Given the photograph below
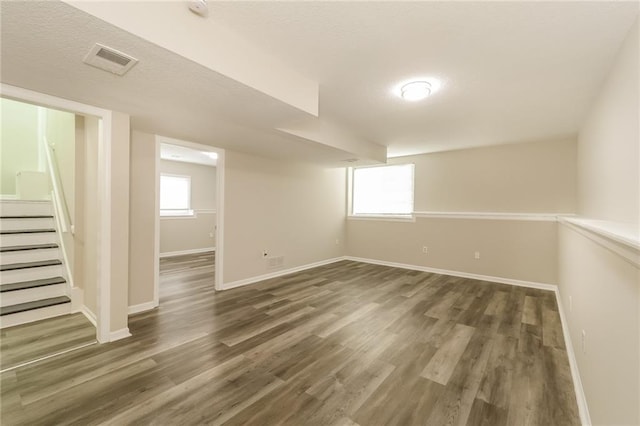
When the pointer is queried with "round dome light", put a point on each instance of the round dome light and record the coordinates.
(415, 90)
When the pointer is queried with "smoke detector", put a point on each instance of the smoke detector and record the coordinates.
(109, 59)
(199, 7)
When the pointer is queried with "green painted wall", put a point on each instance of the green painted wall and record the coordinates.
(18, 142)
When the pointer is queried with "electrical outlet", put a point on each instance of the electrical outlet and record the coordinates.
(425, 249)
(477, 255)
(337, 242)
(584, 342)
(210, 234)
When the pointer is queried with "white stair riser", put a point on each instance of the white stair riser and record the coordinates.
(34, 315)
(14, 224)
(28, 274)
(22, 256)
(25, 239)
(29, 295)
(25, 208)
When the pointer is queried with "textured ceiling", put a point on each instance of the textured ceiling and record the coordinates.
(42, 47)
(511, 71)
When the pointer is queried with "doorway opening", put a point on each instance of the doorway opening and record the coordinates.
(189, 208)
(48, 231)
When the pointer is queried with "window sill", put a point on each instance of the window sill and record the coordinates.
(383, 217)
(186, 214)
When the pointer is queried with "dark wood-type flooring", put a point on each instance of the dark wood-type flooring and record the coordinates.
(343, 344)
(30, 342)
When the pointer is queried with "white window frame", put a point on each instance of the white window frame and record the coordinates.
(177, 213)
(380, 216)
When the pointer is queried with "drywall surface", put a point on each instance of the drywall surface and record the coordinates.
(119, 224)
(87, 230)
(520, 250)
(600, 288)
(290, 210)
(18, 143)
(178, 234)
(537, 177)
(142, 218)
(609, 143)
(600, 293)
(530, 178)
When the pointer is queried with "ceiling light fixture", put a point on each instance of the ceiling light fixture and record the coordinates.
(415, 90)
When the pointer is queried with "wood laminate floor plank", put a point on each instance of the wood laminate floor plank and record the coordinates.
(29, 342)
(342, 344)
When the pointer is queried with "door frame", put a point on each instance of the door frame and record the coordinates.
(103, 302)
(218, 279)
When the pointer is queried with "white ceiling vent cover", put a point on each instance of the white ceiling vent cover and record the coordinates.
(109, 59)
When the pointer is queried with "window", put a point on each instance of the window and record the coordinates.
(175, 195)
(384, 190)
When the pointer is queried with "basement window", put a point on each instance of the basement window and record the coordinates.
(382, 191)
(175, 195)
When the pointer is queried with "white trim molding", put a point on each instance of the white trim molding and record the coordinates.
(89, 315)
(583, 408)
(386, 218)
(622, 239)
(251, 280)
(501, 280)
(123, 333)
(184, 252)
(538, 217)
(142, 307)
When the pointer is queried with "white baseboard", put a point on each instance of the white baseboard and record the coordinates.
(583, 408)
(123, 333)
(183, 252)
(247, 281)
(501, 280)
(142, 307)
(90, 315)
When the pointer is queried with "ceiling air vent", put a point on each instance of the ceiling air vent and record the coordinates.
(109, 59)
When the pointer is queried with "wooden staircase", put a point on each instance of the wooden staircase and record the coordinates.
(32, 276)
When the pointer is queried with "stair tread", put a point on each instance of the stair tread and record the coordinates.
(26, 231)
(28, 247)
(26, 216)
(24, 285)
(36, 304)
(26, 265)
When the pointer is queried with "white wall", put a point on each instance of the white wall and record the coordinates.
(119, 223)
(289, 210)
(179, 234)
(602, 285)
(520, 178)
(86, 232)
(142, 217)
(537, 177)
